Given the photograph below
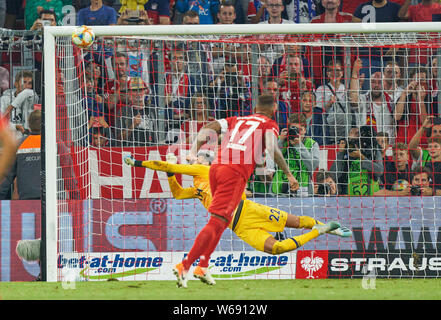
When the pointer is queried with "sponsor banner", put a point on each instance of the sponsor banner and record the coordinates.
(18, 220)
(312, 264)
(345, 264)
(105, 175)
(138, 266)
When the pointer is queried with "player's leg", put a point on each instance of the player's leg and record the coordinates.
(273, 246)
(227, 187)
(305, 222)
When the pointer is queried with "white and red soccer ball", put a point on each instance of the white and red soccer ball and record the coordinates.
(83, 37)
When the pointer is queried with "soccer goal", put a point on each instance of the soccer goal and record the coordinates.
(358, 95)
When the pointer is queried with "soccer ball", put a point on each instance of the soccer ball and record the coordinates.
(400, 185)
(83, 37)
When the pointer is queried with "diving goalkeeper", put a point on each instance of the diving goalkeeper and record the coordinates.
(251, 222)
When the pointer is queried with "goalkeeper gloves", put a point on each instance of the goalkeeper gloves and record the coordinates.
(132, 162)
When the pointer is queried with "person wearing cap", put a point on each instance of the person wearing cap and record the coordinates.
(134, 123)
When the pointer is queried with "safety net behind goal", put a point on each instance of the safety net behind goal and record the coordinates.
(359, 126)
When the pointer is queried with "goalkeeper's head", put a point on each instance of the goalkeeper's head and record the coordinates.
(205, 157)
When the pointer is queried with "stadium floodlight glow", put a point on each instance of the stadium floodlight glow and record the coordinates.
(91, 197)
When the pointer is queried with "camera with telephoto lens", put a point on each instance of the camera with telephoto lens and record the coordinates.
(293, 132)
(324, 189)
(415, 191)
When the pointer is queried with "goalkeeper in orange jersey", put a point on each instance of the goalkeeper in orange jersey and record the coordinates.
(251, 222)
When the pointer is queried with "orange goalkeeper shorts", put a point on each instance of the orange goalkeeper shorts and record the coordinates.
(227, 186)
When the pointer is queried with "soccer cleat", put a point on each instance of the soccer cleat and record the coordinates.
(323, 228)
(181, 275)
(204, 275)
(342, 231)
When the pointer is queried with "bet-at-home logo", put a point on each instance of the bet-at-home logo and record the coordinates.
(237, 265)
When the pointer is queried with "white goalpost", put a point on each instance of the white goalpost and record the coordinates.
(103, 219)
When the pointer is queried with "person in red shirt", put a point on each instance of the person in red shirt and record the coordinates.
(426, 11)
(332, 13)
(321, 56)
(292, 82)
(411, 108)
(199, 118)
(244, 141)
(422, 12)
(114, 87)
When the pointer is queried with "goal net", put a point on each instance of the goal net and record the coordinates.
(359, 119)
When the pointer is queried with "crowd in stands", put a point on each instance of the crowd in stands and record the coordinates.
(381, 115)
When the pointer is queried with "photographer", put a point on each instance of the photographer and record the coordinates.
(420, 185)
(359, 164)
(325, 185)
(301, 154)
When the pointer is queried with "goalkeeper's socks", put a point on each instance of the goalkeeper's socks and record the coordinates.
(206, 241)
(293, 243)
(307, 222)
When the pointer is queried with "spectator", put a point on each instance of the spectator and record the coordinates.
(302, 155)
(138, 57)
(190, 17)
(197, 54)
(432, 68)
(27, 164)
(179, 88)
(34, 8)
(271, 86)
(332, 100)
(332, 13)
(420, 185)
(280, 63)
(113, 87)
(325, 185)
(385, 147)
(302, 11)
(159, 11)
(393, 81)
(371, 12)
(275, 9)
(425, 11)
(412, 106)
(207, 9)
(45, 17)
(94, 104)
(292, 82)
(374, 108)
(228, 90)
(358, 166)
(97, 14)
(315, 119)
(377, 11)
(99, 137)
(200, 116)
(140, 18)
(432, 127)
(135, 124)
(18, 103)
(434, 165)
(322, 56)
(397, 169)
(226, 13)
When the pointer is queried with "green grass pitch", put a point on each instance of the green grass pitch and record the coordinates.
(324, 289)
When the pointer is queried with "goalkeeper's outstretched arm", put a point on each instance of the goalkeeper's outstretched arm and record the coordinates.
(171, 168)
(191, 170)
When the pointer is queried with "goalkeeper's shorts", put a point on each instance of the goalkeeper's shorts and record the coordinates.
(253, 223)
